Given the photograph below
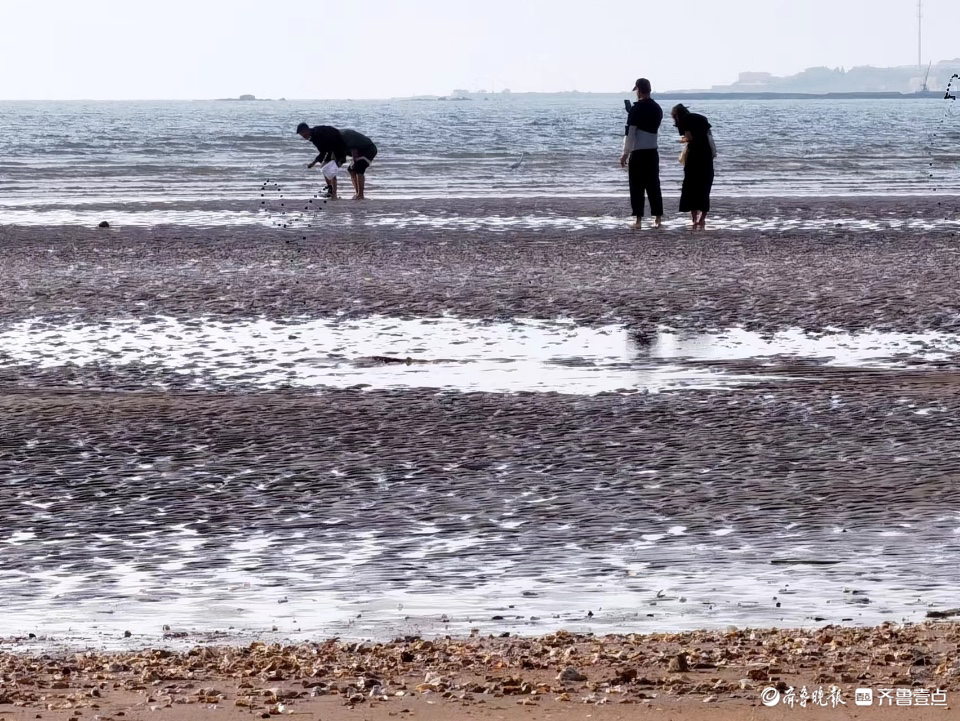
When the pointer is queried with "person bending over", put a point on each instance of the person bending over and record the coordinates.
(332, 152)
(698, 170)
(362, 151)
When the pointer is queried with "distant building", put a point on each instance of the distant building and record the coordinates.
(904, 79)
(754, 78)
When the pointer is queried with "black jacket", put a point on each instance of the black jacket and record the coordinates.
(330, 144)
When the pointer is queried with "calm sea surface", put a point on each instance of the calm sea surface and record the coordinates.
(86, 154)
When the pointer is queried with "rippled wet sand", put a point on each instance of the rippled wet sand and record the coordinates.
(361, 511)
(206, 430)
(813, 280)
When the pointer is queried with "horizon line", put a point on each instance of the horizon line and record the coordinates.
(354, 99)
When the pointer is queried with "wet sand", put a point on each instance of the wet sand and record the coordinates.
(353, 511)
(139, 495)
(897, 279)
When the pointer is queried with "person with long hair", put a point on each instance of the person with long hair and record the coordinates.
(697, 161)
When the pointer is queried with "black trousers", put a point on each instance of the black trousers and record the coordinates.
(644, 173)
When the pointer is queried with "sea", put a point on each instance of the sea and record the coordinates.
(66, 162)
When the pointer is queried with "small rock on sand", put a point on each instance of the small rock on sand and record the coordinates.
(571, 675)
(679, 663)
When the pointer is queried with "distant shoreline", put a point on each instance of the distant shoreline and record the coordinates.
(927, 95)
(671, 95)
(712, 95)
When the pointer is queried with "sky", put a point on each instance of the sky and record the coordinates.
(315, 49)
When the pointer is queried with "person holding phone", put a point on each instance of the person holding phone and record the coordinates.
(641, 152)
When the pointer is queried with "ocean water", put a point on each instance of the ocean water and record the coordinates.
(145, 155)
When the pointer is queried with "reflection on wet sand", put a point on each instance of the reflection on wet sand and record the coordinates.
(316, 222)
(446, 352)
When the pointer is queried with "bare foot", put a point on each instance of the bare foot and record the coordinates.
(359, 197)
(636, 225)
(657, 221)
(702, 225)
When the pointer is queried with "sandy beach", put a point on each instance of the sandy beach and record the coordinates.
(561, 676)
(183, 461)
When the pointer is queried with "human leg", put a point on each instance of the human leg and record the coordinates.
(651, 183)
(351, 170)
(635, 179)
(360, 172)
(360, 165)
(707, 189)
(687, 196)
(330, 173)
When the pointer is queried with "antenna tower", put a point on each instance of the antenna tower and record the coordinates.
(920, 34)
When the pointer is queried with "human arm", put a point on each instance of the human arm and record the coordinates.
(629, 136)
(338, 148)
(683, 127)
(322, 159)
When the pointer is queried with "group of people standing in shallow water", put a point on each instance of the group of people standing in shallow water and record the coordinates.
(641, 157)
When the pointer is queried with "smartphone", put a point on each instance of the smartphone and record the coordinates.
(627, 104)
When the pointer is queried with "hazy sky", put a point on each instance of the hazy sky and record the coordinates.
(100, 49)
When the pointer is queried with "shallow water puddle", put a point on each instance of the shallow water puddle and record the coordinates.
(379, 352)
(316, 222)
(865, 349)
(611, 222)
(450, 353)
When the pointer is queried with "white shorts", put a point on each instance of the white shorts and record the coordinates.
(330, 170)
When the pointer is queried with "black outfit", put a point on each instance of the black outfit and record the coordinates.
(698, 169)
(644, 163)
(643, 170)
(330, 144)
(364, 148)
